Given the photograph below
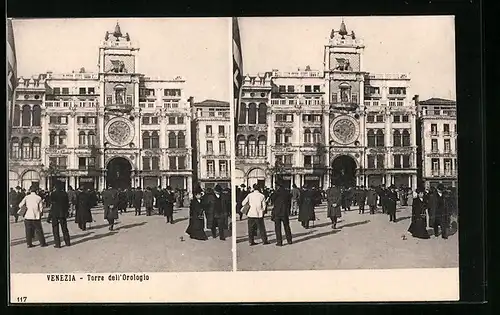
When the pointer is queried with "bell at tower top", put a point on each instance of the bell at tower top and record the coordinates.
(116, 39)
(343, 38)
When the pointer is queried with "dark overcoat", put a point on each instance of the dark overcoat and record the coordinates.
(282, 200)
(306, 208)
(334, 197)
(83, 206)
(59, 204)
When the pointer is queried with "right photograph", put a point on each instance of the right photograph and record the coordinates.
(346, 143)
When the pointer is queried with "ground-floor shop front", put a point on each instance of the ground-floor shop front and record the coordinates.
(434, 182)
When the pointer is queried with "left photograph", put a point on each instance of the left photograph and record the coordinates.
(120, 139)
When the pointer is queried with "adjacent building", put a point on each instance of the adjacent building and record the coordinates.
(438, 142)
(111, 127)
(339, 125)
(211, 130)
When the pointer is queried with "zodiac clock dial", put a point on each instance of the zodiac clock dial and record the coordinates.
(344, 130)
(119, 132)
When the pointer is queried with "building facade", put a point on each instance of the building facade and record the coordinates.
(438, 137)
(113, 127)
(212, 143)
(338, 125)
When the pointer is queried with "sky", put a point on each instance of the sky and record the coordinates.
(423, 47)
(196, 49)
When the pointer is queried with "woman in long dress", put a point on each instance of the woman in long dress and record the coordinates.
(418, 226)
(196, 225)
(306, 208)
(83, 205)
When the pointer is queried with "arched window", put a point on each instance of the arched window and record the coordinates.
(241, 145)
(243, 114)
(26, 120)
(37, 115)
(379, 138)
(262, 113)
(307, 136)
(262, 146)
(91, 138)
(172, 140)
(120, 94)
(396, 138)
(17, 115)
(252, 114)
(288, 135)
(26, 152)
(36, 148)
(14, 148)
(155, 140)
(406, 138)
(52, 138)
(371, 138)
(146, 140)
(82, 138)
(317, 136)
(279, 135)
(29, 179)
(181, 140)
(62, 137)
(252, 145)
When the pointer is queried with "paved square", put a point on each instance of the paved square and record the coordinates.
(363, 241)
(138, 244)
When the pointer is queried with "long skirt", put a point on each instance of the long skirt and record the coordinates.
(418, 228)
(195, 229)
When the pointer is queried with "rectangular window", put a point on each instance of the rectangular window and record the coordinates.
(146, 166)
(282, 89)
(82, 91)
(447, 165)
(290, 89)
(435, 164)
(307, 89)
(434, 129)
(208, 130)
(145, 120)
(222, 132)
(155, 163)
(447, 145)
(57, 91)
(317, 89)
(380, 118)
(446, 129)
(129, 100)
(222, 147)
(181, 163)
(406, 161)
(210, 147)
(380, 161)
(434, 145)
(405, 118)
(397, 118)
(223, 168)
(172, 163)
(171, 120)
(287, 159)
(65, 91)
(370, 118)
(392, 103)
(62, 162)
(307, 160)
(82, 163)
(211, 168)
(180, 120)
(91, 90)
(52, 161)
(397, 90)
(91, 162)
(397, 161)
(154, 120)
(150, 92)
(211, 112)
(109, 99)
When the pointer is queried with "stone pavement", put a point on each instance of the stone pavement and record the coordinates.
(363, 241)
(138, 244)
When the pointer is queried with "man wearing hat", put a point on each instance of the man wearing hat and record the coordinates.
(391, 200)
(280, 213)
(441, 212)
(334, 199)
(169, 205)
(216, 211)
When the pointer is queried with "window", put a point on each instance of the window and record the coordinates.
(53, 161)
(17, 115)
(290, 89)
(434, 129)
(380, 118)
(307, 89)
(171, 120)
(172, 163)
(14, 153)
(91, 162)
(82, 137)
(52, 138)
(222, 147)
(370, 118)
(210, 147)
(307, 136)
(211, 112)
(146, 163)
(397, 160)
(180, 120)
(211, 168)
(379, 138)
(344, 94)
(262, 144)
(406, 138)
(317, 89)
(82, 91)
(155, 163)
(154, 120)
(241, 145)
(26, 116)
(172, 140)
(222, 132)
(288, 136)
(91, 90)
(243, 114)
(171, 92)
(397, 139)
(447, 165)
(181, 162)
(146, 140)
(278, 135)
(223, 168)
(262, 113)
(397, 90)
(317, 136)
(371, 161)
(62, 162)
(434, 145)
(371, 138)
(155, 140)
(397, 118)
(252, 146)
(406, 161)
(282, 89)
(181, 140)
(380, 161)
(435, 164)
(109, 99)
(82, 163)
(57, 91)
(252, 114)
(405, 118)
(208, 130)
(37, 115)
(446, 129)
(65, 91)
(91, 138)
(447, 145)
(26, 149)
(392, 103)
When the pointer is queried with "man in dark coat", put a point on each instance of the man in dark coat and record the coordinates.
(137, 200)
(169, 199)
(361, 199)
(122, 202)
(391, 200)
(110, 204)
(371, 199)
(18, 196)
(59, 211)
(280, 214)
(83, 206)
(418, 226)
(72, 201)
(441, 212)
(334, 200)
(306, 208)
(148, 201)
(217, 207)
(130, 197)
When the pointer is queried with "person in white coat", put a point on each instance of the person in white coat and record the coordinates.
(33, 217)
(257, 208)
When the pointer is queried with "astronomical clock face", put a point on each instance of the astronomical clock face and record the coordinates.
(344, 130)
(119, 132)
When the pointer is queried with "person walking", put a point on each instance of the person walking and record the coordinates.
(72, 201)
(391, 201)
(110, 203)
(361, 199)
(282, 200)
(257, 204)
(59, 212)
(33, 205)
(294, 209)
(371, 200)
(334, 200)
(137, 200)
(148, 201)
(418, 226)
(195, 229)
(306, 207)
(441, 212)
(83, 206)
(169, 205)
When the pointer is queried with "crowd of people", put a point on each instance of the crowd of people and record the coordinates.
(209, 208)
(438, 203)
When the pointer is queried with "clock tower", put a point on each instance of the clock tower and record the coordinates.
(344, 76)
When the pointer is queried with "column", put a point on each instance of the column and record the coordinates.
(101, 182)
(358, 180)
(189, 186)
(327, 180)
(163, 132)
(163, 181)
(388, 129)
(413, 181)
(270, 135)
(72, 181)
(66, 183)
(296, 179)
